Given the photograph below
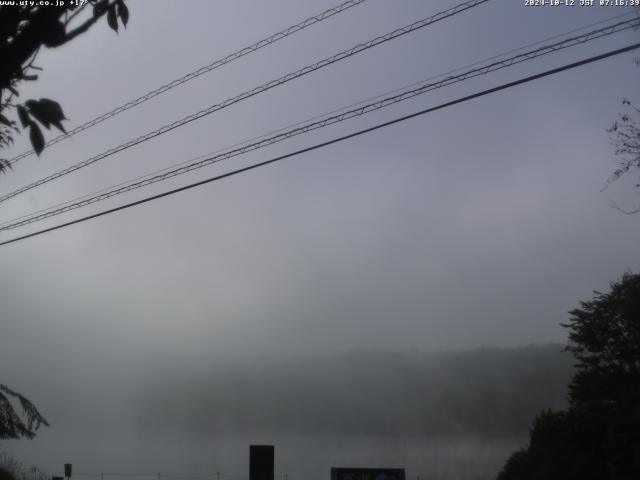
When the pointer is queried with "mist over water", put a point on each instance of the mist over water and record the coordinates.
(451, 415)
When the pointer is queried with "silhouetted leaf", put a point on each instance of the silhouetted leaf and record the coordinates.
(53, 108)
(123, 12)
(23, 116)
(37, 139)
(100, 7)
(53, 33)
(59, 126)
(6, 121)
(36, 111)
(112, 17)
(47, 112)
(5, 165)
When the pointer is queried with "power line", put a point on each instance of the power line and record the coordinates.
(325, 122)
(255, 91)
(201, 71)
(296, 124)
(335, 140)
(201, 162)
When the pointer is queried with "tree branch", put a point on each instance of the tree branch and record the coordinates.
(86, 25)
(75, 14)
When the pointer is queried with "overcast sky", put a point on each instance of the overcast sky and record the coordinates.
(481, 224)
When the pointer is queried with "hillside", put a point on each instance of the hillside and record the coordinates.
(485, 392)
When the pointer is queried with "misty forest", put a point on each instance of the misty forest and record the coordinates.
(307, 240)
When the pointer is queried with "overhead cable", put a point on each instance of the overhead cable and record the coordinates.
(255, 91)
(329, 120)
(330, 142)
(200, 71)
(302, 122)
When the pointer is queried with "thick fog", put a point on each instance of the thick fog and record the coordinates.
(448, 415)
(337, 303)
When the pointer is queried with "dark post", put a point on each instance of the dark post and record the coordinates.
(67, 470)
(261, 462)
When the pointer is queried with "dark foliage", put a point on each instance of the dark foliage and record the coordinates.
(24, 30)
(598, 436)
(11, 424)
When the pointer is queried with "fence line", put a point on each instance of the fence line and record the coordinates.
(158, 475)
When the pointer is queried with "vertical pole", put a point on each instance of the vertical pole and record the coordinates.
(217, 475)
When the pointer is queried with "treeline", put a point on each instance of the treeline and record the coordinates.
(487, 391)
(598, 436)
